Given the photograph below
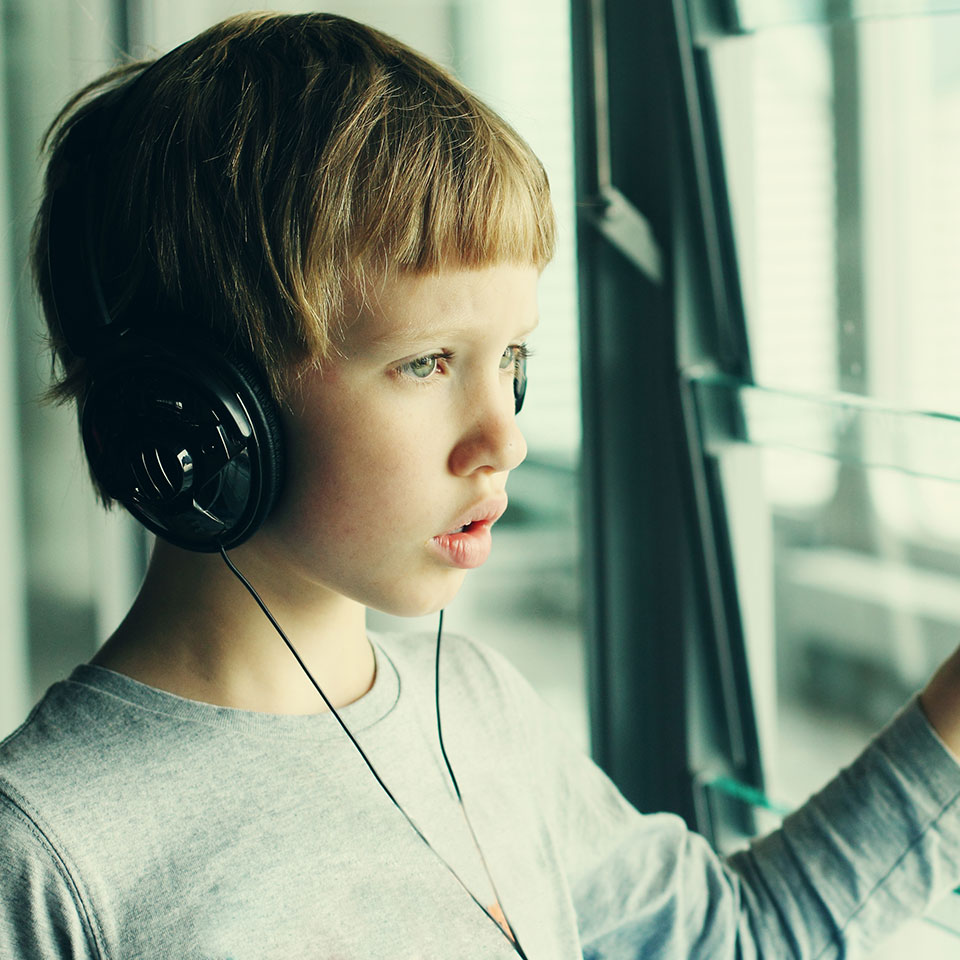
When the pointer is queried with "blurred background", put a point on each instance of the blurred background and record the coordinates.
(734, 548)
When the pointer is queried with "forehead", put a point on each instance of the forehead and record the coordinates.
(497, 301)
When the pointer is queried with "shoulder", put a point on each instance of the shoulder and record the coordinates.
(29, 852)
(80, 759)
(34, 752)
(490, 713)
(41, 906)
(72, 725)
(44, 766)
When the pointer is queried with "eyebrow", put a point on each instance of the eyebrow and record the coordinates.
(412, 334)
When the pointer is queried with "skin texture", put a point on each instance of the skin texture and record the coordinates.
(380, 461)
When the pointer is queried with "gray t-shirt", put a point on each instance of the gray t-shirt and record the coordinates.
(137, 824)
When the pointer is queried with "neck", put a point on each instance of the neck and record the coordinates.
(195, 631)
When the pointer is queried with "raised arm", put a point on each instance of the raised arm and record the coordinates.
(876, 846)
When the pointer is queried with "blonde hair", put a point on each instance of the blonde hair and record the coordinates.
(243, 182)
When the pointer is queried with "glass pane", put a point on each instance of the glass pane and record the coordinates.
(747, 15)
(774, 101)
(840, 464)
(841, 147)
(858, 617)
(843, 426)
(844, 621)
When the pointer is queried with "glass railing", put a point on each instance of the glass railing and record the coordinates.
(846, 427)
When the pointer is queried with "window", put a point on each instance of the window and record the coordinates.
(805, 462)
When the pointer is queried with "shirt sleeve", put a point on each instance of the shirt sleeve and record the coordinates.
(40, 913)
(877, 846)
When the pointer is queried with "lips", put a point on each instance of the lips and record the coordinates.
(467, 543)
(486, 512)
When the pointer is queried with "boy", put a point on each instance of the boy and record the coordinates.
(288, 270)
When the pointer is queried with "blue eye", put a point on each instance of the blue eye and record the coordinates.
(421, 368)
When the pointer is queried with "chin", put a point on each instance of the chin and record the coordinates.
(420, 601)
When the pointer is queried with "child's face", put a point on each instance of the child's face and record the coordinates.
(405, 437)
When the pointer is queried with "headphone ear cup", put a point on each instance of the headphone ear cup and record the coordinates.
(190, 443)
(270, 448)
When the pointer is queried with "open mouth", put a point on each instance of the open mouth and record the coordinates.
(464, 529)
(468, 545)
(478, 520)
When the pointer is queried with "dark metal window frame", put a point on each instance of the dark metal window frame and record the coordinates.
(671, 702)
(669, 688)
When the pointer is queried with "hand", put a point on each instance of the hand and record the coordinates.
(940, 701)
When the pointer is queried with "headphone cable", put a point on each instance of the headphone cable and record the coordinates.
(511, 935)
(511, 932)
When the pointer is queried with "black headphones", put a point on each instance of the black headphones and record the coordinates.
(184, 433)
(186, 437)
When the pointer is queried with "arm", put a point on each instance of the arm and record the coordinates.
(877, 846)
(39, 912)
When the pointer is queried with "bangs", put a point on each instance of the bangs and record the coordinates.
(469, 198)
(254, 176)
(437, 179)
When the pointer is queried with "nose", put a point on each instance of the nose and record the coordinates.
(491, 439)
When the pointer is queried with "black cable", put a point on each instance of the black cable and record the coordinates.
(276, 626)
(512, 936)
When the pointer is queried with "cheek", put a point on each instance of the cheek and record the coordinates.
(374, 469)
